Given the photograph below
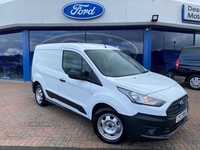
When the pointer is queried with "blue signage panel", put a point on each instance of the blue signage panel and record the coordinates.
(83, 10)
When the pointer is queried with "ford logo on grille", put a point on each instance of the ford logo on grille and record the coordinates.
(83, 10)
(181, 102)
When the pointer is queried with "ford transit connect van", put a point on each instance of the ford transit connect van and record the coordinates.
(120, 97)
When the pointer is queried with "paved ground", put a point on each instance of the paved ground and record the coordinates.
(24, 123)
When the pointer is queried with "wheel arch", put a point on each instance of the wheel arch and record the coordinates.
(99, 106)
(37, 80)
(119, 103)
(191, 74)
(34, 84)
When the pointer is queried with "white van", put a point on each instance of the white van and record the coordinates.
(103, 84)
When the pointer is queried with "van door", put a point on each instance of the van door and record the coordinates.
(73, 92)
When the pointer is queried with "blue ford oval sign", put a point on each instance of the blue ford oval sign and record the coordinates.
(83, 10)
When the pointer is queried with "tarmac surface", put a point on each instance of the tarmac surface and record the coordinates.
(26, 126)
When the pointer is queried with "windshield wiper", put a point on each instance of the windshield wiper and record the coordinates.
(145, 71)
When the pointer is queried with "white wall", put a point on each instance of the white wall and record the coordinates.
(7, 13)
(117, 12)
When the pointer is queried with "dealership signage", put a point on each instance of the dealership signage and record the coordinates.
(191, 13)
(83, 10)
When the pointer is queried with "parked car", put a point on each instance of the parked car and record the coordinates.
(188, 65)
(119, 96)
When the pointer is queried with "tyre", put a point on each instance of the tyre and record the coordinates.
(194, 82)
(108, 126)
(170, 74)
(39, 96)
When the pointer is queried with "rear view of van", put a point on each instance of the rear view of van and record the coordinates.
(101, 83)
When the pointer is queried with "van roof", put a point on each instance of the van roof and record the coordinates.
(79, 46)
(191, 47)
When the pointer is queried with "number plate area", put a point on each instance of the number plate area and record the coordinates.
(181, 116)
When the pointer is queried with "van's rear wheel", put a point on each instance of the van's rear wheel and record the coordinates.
(39, 96)
(170, 74)
(108, 126)
(194, 82)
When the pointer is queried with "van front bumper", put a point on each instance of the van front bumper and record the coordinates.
(142, 127)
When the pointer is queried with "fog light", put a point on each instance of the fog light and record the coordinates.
(151, 131)
(148, 130)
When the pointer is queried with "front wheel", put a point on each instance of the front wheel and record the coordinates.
(108, 126)
(194, 82)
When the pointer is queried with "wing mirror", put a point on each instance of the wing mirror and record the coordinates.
(75, 75)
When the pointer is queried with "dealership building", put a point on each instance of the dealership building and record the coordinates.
(151, 31)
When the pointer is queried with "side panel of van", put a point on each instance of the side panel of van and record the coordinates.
(46, 69)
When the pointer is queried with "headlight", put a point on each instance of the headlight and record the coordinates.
(141, 99)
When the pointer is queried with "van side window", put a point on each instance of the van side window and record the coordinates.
(191, 53)
(73, 61)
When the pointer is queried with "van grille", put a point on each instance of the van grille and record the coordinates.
(177, 107)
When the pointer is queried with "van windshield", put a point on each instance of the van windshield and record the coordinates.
(114, 63)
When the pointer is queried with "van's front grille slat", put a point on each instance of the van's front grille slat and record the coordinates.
(177, 107)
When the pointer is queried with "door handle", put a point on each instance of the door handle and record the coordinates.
(62, 80)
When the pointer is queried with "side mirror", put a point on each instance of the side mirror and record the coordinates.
(75, 75)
